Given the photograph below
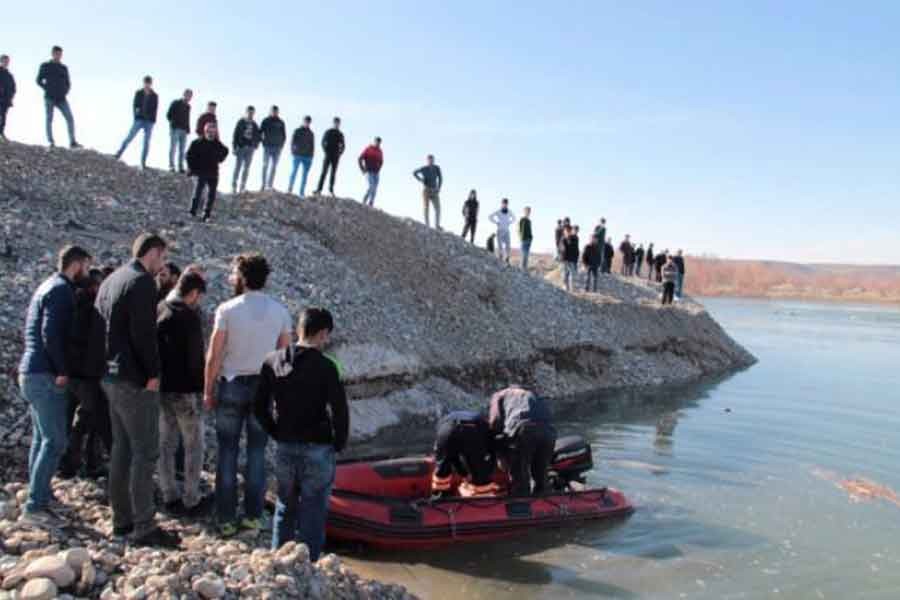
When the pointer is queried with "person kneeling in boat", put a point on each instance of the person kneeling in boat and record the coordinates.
(522, 420)
(463, 447)
(311, 425)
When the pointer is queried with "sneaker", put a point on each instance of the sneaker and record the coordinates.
(159, 538)
(205, 218)
(123, 531)
(228, 530)
(175, 508)
(44, 518)
(251, 524)
(75, 146)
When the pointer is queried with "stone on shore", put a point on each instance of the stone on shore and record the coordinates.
(41, 588)
(51, 567)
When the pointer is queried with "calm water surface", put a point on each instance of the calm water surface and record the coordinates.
(734, 481)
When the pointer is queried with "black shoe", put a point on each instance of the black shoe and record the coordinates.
(159, 538)
(122, 531)
(182, 172)
(206, 218)
(76, 146)
(67, 473)
(174, 508)
(201, 509)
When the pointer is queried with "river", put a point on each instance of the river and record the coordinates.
(737, 483)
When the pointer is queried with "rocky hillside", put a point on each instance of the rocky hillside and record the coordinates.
(425, 321)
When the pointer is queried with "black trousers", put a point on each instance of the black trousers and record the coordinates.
(90, 410)
(332, 162)
(211, 184)
(529, 456)
(668, 292)
(470, 229)
(3, 111)
(463, 448)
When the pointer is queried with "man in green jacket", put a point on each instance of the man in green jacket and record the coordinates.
(525, 236)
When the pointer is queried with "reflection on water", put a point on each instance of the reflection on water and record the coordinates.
(727, 478)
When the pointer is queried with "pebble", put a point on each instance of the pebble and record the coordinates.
(40, 588)
(51, 567)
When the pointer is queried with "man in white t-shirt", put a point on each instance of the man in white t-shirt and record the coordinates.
(245, 330)
(503, 218)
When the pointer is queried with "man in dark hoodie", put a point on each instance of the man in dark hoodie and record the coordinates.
(568, 252)
(126, 318)
(658, 262)
(179, 117)
(638, 259)
(470, 215)
(627, 251)
(303, 146)
(244, 142)
(592, 258)
(333, 145)
(144, 107)
(609, 253)
(7, 92)
(180, 336)
(53, 78)
(650, 262)
(203, 158)
(311, 426)
(208, 117)
(273, 135)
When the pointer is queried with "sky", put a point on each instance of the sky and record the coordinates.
(756, 130)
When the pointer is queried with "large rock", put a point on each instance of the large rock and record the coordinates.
(76, 557)
(40, 588)
(209, 586)
(51, 567)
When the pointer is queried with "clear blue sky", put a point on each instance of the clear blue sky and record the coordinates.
(751, 130)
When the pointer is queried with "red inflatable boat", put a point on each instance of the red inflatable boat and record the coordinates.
(387, 503)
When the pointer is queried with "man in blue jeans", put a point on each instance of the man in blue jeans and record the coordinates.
(313, 424)
(43, 377)
(273, 135)
(144, 107)
(246, 329)
(53, 78)
(303, 146)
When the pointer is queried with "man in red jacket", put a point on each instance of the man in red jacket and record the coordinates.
(370, 162)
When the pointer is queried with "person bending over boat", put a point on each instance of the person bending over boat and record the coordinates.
(463, 446)
(312, 424)
(524, 421)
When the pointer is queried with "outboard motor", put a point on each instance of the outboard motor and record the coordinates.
(572, 458)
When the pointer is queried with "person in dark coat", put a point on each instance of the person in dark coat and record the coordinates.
(651, 262)
(679, 263)
(244, 143)
(523, 422)
(273, 135)
(568, 253)
(203, 158)
(179, 117)
(658, 261)
(470, 215)
(463, 446)
(303, 146)
(592, 258)
(7, 93)
(53, 78)
(638, 259)
(144, 107)
(208, 117)
(333, 145)
(609, 253)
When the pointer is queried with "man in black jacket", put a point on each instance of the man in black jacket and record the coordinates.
(180, 335)
(244, 143)
(568, 253)
(679, 264)
(179, 117)
(470, 215)
(313, 424)
(638, 259)
(609, 253)
(125, 317)
(592, 258)
(7, 92)
(464, 446)
(333, 145)
(303, 146)
(273, 135)
(143, 107)
(203, 159)
(53, 78)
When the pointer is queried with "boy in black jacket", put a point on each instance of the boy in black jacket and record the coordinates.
(53, 78)
(333, 145)
(592, 258)
(180, 336)
(470, 214)
(7, 93)
(244, 142)
(203, 158)
(312, 424)
(143, 107)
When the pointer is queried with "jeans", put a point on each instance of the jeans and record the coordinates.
(242, 159)
(49, 412)
(271, 154)
(332, 163)
(63, 106)
(469, 228)
(369, 197)
(591, 275)
(234, 410)
(306, 161)
(526, 251)
(530, 453)
(569, 271)
(177, 139)
(679, 284)
(210, 183)
(432, 197)
(637, 268)
(305, 474)
(136, 127)
(180, 418)
(4, 108)
(134, 414)
(90, 409)
(504, 246)
(668, 292)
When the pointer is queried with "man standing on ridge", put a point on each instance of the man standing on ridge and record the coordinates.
(525, 237)
(246, 329)
(53, 78)
(203, 159)
(370, 162)
(208, 117)
(432, 179)
(179, 117)
(311, 426)
(144, 109)
(638, 259)
(126, 318)
(650, 261)
(608, 255)
(244, 143)
(627, 251)
(273, 134)
(679, 282)
(557, 235)
(600, 232)
(503, 218)
(44, 376)
(592, 258)
(470, 215)
(303, 146)
(568, 254)
(7, 92)
(333, 145)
